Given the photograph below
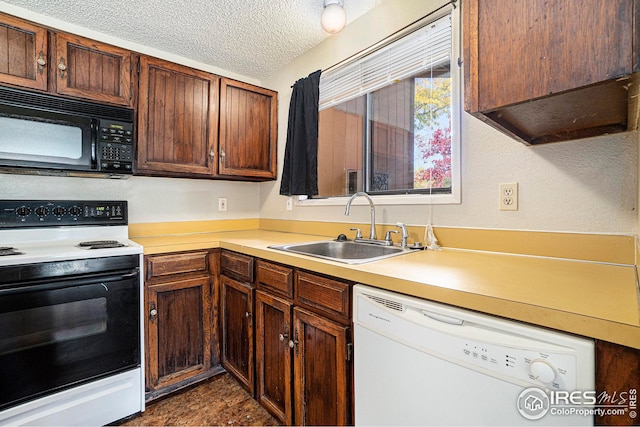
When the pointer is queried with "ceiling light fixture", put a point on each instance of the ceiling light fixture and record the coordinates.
(333, 17)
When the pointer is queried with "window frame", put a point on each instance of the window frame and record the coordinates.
(422, 198)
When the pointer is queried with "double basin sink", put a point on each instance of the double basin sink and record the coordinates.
(348, 252)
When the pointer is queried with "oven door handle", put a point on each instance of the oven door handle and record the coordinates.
(99, 280)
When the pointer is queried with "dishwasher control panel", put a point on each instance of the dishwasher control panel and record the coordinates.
(555, 370)
(522, 354)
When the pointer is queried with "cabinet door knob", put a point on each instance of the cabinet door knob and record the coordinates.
(247, 315)
(294, 343)
(153, 312)
(62, 67)
(212, 154)
(283, 337)
(41, 62)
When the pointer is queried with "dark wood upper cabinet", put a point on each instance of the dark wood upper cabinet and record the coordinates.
(23, 53)
(33, 57)
(248, 130)
(190, 123)
(177, 120)
(544, 71)
(88, 69)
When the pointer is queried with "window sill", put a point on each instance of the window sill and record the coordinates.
(390, 200)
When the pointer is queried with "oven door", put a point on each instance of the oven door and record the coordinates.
(62, 332)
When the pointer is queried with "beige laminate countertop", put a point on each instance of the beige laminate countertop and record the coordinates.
(592, 299)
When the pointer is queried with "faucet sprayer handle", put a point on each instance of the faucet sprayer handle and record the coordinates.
(405, 234)
(404, 229)
(358, 232)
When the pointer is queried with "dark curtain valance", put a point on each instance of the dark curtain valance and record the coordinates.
(300, 172)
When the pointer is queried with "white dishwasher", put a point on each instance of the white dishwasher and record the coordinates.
(422, 363)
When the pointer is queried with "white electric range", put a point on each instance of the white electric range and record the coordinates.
(71, 342)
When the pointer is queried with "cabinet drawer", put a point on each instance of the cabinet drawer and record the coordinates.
(328, 295)
(165, 265)
(237, 265)
(275, 278)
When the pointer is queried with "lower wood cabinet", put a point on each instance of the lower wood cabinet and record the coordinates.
(617, 381)
(322, 380)
(274, 363)
(180, 334)
(236, 310)
(285, 335)
(303, 363)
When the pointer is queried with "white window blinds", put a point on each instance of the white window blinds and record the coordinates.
(423, 49)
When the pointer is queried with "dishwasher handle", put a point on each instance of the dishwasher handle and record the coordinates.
(443, 318)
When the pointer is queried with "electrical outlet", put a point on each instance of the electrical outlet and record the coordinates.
(222, 204)
(290, 203)
(509, 197)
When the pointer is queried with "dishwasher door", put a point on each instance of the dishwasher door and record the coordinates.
(422, 363)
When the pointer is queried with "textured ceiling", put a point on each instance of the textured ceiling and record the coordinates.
(250, 37)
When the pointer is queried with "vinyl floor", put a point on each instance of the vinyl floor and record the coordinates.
(219, 401)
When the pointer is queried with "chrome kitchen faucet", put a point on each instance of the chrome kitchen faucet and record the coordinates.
(372, 233)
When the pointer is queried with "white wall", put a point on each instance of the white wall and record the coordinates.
(584, 186)
(150, 199)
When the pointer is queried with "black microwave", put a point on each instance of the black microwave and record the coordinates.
(47, 135)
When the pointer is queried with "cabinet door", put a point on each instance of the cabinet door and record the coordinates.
(177, 120)
(273, 356)
(617, 377)
(521, 50)
(322, 375)
(248, 130)
(178, 331)
(89, 69)
(236, 301)
(23, 53)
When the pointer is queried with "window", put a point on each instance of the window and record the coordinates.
(388, 121)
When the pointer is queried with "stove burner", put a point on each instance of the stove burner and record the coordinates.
(101, 244)
(7, 250)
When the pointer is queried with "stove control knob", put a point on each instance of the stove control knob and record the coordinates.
(543, 371)
(75, 211)
(23, 211)
(42, 211)
(59, 211)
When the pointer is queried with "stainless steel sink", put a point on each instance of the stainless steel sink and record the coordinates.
(348, 252)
